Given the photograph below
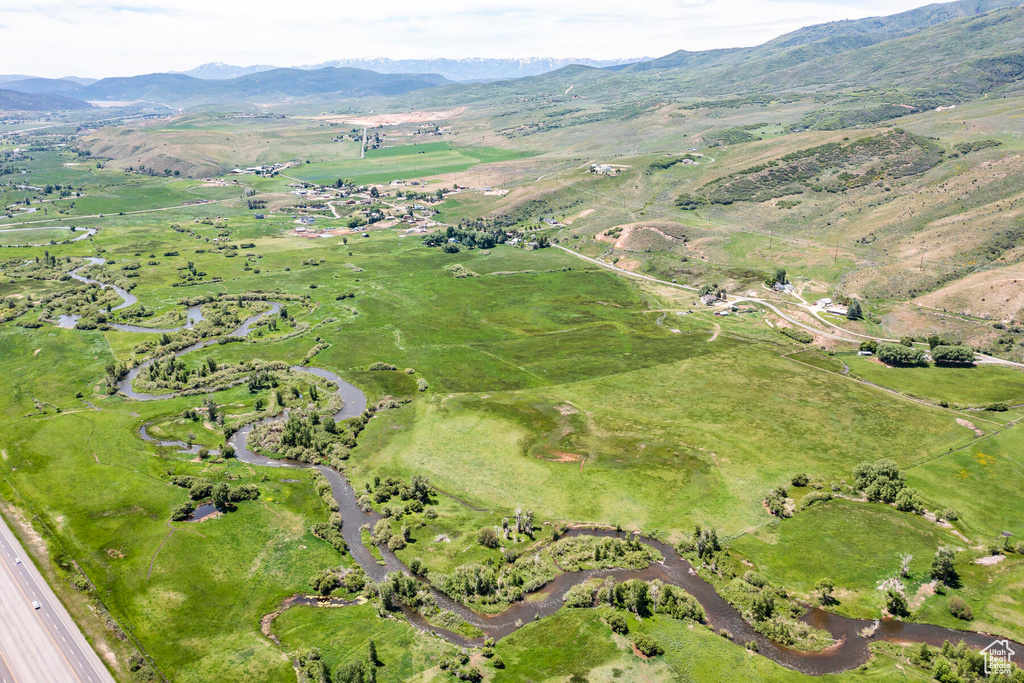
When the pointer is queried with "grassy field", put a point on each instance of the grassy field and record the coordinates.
(977, 481)
(714, 465)
(191, 597)
(980, 386)
(552, 384)
(579, 642)
(857, 545)
(343, 634)
(401, 162)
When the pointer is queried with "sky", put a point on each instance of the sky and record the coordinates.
(94, 38)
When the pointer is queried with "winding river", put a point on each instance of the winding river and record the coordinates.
(850, 650)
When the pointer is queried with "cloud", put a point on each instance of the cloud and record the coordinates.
(92, 38)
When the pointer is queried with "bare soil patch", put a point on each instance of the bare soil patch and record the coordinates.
(990, 560)
(970, 425)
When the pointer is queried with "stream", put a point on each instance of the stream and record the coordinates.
(849, 651)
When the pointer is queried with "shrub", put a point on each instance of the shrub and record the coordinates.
(498, 662)
(421, 384)
(579, 596)
(907, 500)
(396, 542)
(618, 623)
(487, 537)
(647, 645)
(813, 497)
(959, 608)
(797, 334)
(950, 515)
(325, 581)
(800, 480)
(775, 501)
(182, 512)
(754, 579)
(687, 607)
(381, 366)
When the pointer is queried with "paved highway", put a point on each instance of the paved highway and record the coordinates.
(38, 645)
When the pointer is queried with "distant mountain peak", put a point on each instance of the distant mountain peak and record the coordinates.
(467, 69)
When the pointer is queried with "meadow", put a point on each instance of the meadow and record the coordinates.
(978, 386)
(548, 383)
(401, 162)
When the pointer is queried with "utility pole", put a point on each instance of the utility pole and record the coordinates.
(771, 235)
(835, 257)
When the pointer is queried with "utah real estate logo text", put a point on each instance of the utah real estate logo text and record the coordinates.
(998, 658)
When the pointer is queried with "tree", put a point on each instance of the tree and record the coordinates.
(824, 589)
(705, 540)
(880, 481)
(221, 495)
(907, 500)
(201, 488)
(374, 192)
(853, 311)
(942, 566)
(764, 605)
(896, 602)
(182, 512)
(707, 288)
(900, 354)
(372, 655)
(952, 355)
(381, 532)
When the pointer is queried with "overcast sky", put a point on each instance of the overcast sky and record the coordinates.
(96, 38)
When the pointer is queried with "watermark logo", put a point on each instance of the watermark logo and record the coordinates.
(998, 658)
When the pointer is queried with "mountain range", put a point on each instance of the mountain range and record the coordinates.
(460, 70)
(181, 90)
(940, 51)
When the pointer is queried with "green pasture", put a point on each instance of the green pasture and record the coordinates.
(979, 386)
(401, 162)
(857, 545)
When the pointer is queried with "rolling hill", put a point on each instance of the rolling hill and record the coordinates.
(21, 101)
(182, 90)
